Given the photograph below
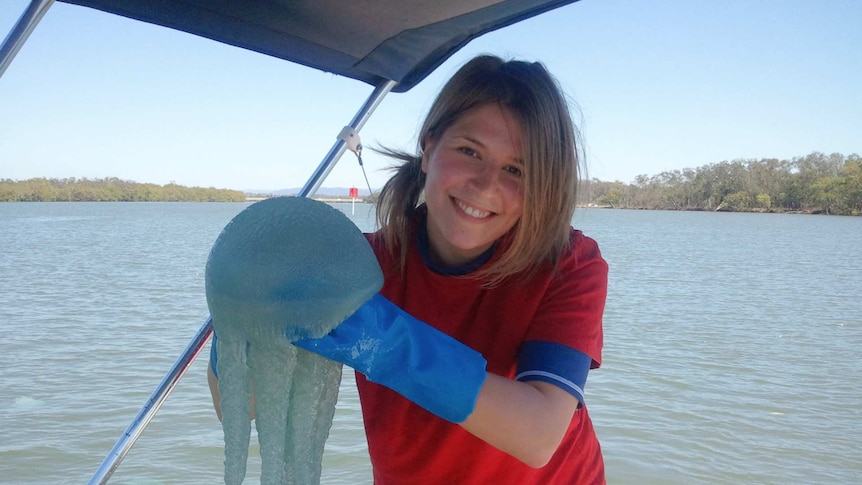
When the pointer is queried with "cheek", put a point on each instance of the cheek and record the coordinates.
(442, 173)
(513, 192)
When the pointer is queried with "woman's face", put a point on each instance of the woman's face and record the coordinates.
(474, 183)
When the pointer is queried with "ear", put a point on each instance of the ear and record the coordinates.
(427, 147)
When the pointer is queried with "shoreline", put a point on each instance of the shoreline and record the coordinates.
(746, 211)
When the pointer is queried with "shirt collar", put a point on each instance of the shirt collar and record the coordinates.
(422, 244)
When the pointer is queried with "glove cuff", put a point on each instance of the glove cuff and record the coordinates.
(394, 349)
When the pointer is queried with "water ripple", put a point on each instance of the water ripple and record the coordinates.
(731, 346)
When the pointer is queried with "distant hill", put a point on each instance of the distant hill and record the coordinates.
(324, 191)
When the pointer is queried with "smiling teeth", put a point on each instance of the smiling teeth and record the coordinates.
(473, 212)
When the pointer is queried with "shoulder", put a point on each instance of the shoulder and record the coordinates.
(374, 239)
(572, 304)
(582, 247)
(377, 243)
(582, 255)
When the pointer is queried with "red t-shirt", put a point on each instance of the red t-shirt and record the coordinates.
(409, 445)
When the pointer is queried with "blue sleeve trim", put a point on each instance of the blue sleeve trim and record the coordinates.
(214, 355)
(556, 364)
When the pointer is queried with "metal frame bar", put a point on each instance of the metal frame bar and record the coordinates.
(154, 403)
(158, 397)
(340, 146)
(21, 31)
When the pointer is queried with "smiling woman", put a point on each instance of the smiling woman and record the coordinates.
(490, 298)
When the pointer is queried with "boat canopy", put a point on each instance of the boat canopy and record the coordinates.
(373, 41)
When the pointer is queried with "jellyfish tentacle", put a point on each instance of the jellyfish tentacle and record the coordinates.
(314, 392)
(235, 389)
(272, 370)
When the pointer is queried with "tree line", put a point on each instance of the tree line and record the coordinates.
(815, 183)
(108, 190)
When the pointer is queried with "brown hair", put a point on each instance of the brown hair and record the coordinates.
(551, 159)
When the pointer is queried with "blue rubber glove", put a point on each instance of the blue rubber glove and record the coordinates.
(421, 363)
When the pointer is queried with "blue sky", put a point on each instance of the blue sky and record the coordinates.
(660, 85)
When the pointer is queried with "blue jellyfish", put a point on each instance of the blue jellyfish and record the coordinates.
(283, 269)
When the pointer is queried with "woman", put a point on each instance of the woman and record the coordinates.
(490, 315)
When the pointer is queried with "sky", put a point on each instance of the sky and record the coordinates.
(655, 86)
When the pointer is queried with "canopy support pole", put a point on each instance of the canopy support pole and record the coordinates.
(340, 146)
(158, 397)
(21, 31)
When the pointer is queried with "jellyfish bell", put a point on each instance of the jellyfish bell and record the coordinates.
(289, 266)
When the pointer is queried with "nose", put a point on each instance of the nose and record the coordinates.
(485, 176)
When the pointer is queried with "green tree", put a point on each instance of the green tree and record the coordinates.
(736, 201)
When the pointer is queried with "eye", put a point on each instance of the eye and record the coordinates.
(469, 152)
(514, 170)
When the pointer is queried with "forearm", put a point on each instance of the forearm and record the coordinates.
(527, 420)
(447, 378)
(212, 380)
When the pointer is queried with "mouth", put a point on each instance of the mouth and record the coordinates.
(472, 211)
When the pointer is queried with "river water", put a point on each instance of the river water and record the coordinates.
(731, 346)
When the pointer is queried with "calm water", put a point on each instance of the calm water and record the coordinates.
(731, 351)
